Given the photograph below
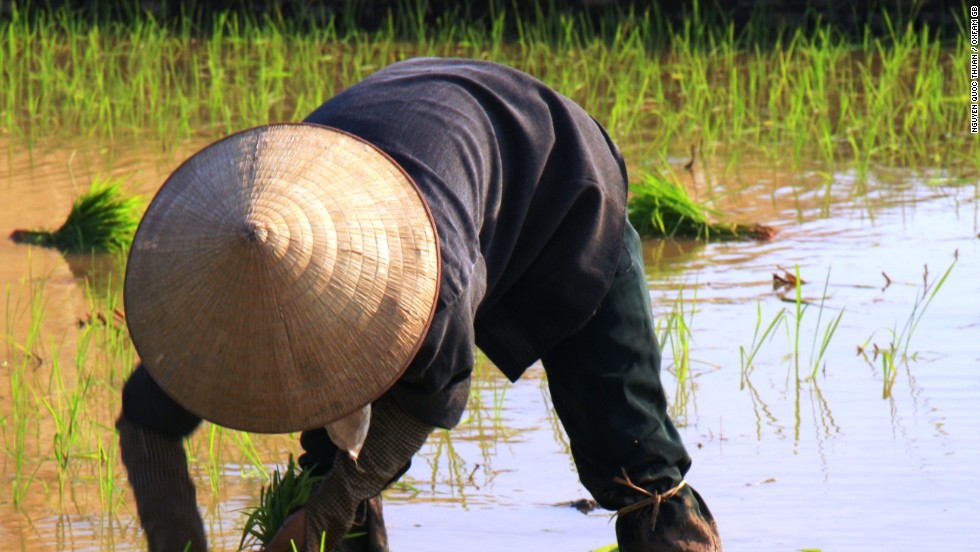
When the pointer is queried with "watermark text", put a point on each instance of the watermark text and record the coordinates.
(974, 69)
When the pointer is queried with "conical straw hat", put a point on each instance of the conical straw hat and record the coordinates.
(282, 278)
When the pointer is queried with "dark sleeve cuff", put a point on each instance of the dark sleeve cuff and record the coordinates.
(144, 403)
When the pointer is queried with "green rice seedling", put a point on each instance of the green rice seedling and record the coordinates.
(35, 309)
(903, 338)
(214, 464)
(16, 441)
(888, 372)
(887, 355)
(897, 350)
(675, 329)
(246, 446)
(677, 332)
(288, 490)
(828, 332)
(102, 219)
(106, 324)
(900, 339)
(662, 208)
(18, 424)
(111, 495)
(747, 358)
(22, 478)
(792, 281)
(65, 405)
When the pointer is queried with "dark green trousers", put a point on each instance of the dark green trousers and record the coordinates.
(605, 385)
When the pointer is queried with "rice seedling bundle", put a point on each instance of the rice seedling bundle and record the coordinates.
(103, 219)
(662, 208)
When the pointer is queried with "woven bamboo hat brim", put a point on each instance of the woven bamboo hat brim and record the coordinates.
(282, 278)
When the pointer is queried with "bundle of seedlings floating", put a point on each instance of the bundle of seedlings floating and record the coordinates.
(288, 491)
(659, 208)
(102, 219)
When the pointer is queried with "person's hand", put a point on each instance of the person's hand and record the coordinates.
(293, 531)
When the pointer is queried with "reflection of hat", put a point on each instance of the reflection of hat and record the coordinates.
(282, 278)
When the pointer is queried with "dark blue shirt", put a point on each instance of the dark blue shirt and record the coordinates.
(528, 194)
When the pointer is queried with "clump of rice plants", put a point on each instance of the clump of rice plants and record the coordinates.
(883, 94)
(103, 219)
(661, 208)
(286, 492)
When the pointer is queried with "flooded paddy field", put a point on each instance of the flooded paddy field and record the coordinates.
(837, 414)
(849, 457)
(844, 421)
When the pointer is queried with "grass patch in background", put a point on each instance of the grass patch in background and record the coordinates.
(103, 219)
(893, 97)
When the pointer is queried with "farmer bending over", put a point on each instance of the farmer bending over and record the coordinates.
(333, 277)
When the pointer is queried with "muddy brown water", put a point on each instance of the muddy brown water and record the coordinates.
(785, 461)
